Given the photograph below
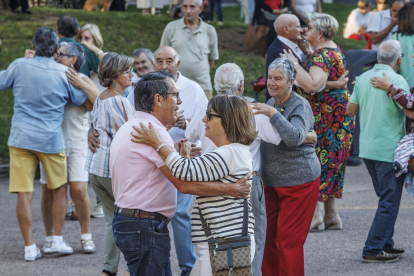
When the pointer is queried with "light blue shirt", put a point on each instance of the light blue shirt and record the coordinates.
(41, 90)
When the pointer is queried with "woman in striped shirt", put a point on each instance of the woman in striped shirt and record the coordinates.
(230, 125)
(110, 111)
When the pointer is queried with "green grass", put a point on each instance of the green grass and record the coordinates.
(122, 33)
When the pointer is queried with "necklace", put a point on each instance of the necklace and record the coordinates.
(115, 90)
(286, 101)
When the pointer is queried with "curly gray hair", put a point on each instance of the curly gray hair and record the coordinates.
(77, 51)
(45, 42)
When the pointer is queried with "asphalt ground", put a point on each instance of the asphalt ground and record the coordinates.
(326, 253)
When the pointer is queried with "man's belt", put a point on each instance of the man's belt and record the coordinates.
(133, 213)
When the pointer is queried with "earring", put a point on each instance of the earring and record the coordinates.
(71, 65)
(319, 39)
(113, 86)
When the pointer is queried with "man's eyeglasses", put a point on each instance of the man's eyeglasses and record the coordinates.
(209, 115)
(177, 94)
(59, 54)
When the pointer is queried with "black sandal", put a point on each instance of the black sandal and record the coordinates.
(109, 273)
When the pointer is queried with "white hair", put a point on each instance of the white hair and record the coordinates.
(227, 79)
(199, 3)
(389, 52)
(284, 65)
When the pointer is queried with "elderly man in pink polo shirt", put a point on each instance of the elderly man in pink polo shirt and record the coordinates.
(143, 186)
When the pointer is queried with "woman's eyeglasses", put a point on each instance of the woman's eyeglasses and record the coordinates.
(129, 71)
(60, 54)
(209, 115)
(177, 94)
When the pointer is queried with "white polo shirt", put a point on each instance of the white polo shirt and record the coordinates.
(266, 132)
(193, 98)
(380, 21)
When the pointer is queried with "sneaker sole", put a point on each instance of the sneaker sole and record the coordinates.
(32, 259)
(67, 252)
(97, 216)
(88, 251)
(378, 261)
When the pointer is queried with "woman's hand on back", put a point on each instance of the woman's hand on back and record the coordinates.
(261, 108)
(29, 53)
(146, 135)
(74, 78)
(381, 83)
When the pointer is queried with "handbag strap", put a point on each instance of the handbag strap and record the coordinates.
(206, 227)
(125, 114)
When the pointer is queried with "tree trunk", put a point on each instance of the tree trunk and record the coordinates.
(4, 4)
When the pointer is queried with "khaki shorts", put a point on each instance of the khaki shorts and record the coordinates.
(23, 164)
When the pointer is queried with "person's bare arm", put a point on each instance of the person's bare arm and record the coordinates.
(408, 113)
(298, 13)
(352, 109)
(85, 83)
(311, 138)
(341, 83)
(377, 37)
(318, 6)
(88, 105)
(211, 62)
(240, 189)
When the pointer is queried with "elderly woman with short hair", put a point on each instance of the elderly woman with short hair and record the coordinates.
(290, 172)
(110, 111)
(332, 125)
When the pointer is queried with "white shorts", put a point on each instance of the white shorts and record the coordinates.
(202, 265)
(75, 165)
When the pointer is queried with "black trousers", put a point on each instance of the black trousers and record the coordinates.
(117, 5)
(14, 4)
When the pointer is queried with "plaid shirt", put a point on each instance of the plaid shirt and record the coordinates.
(108, 117)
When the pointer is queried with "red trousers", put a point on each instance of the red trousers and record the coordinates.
(289, 215)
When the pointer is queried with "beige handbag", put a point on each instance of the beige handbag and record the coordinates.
(230, 256)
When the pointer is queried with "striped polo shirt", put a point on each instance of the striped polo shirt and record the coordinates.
(224, 214)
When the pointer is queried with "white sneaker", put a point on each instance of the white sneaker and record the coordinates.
(97, 212)
(61, 247)
(46, 248)
(88, 246)
(31, 255)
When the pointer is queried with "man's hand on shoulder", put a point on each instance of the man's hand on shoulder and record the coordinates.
(93, 141)
(243, 187)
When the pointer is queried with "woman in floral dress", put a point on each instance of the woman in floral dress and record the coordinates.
(332, 125)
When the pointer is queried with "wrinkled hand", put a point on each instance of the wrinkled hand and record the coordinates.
(311, 138)
(394, 21)
(195, 150)
(305, 47)
(243, 187)
(381, 83)
(289, 55)
(93, 141)
(343, 80)
(74, 78)
(261, 108)
(29, 53)
(146, 135)
(180, 122)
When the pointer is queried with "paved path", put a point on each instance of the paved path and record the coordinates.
(329, 253)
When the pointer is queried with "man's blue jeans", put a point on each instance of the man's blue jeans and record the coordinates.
(146, 251)
(219, 10)
(181, 224)
(388, 188)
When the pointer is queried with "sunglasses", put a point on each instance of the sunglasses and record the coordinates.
(60, 54)
(209, 115)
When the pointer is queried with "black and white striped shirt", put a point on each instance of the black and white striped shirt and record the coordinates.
(224, 214)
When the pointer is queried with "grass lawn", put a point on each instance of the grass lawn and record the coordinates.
(125, 31)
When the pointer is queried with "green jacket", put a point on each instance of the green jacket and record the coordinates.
(92, 60)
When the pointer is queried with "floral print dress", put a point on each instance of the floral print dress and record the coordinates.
(332, 126)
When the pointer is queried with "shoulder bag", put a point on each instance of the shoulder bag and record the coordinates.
(230, 256)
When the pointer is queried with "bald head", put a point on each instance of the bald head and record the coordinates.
(288, 26)
(166, 59)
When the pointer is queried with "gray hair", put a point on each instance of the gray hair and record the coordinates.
(148, 86)
(389, 52)
(77, 51)
(325, 23)
(45, 42)
(148, 53)
(112, 66)
(198, 2)
(227, 79)
(284, 65)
